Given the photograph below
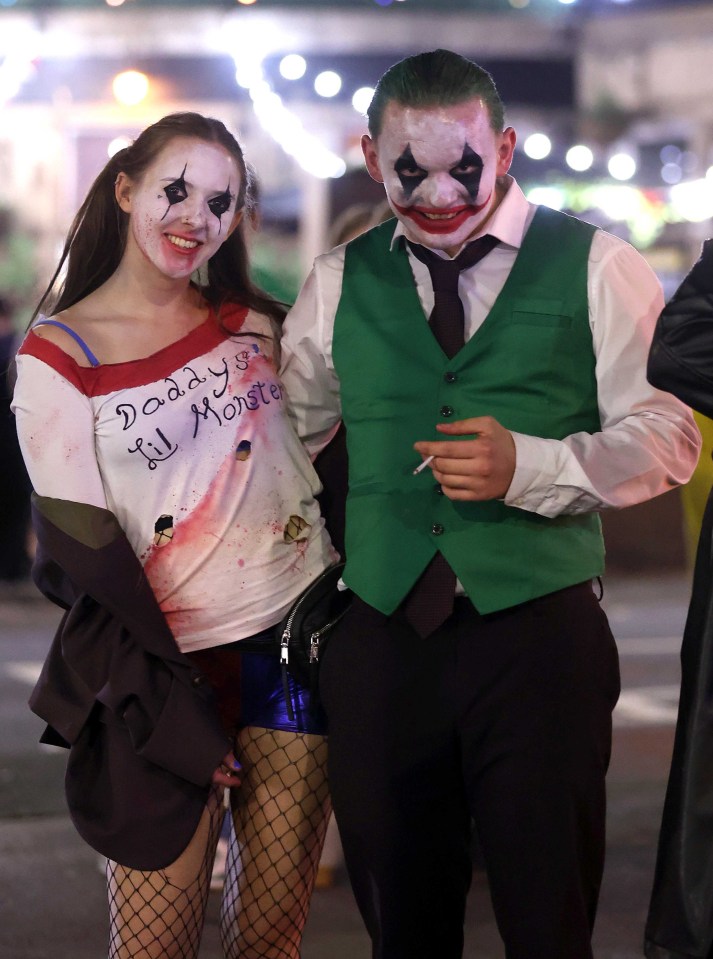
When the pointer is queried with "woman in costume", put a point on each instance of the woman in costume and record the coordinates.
(176, 523)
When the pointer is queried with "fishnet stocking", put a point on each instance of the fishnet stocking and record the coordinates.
(280, 813)
(159, 915)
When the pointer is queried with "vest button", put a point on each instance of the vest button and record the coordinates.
(450, 377)
(447, 411)
(438, 489)
(437, 529)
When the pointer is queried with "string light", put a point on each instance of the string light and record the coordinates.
(130, 87)
(362, 99)
(671, 173)
(579, 158)
(693, 201)
(293, 66)
(118, 143)
(537, 146)
(328, 83)
(622, 166)
(281, 124)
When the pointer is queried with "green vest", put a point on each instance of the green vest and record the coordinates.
(530, 366)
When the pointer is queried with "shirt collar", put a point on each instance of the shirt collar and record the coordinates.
(509, 223)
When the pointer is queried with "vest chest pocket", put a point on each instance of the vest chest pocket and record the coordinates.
(542, 321)
(542, 314)
(542, 329)
(534, 341)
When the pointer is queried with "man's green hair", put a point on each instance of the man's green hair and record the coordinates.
(436, 78)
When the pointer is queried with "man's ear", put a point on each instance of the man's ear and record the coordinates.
(506, 151)
(371, 156)
(122, 192)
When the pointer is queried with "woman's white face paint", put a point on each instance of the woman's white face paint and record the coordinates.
(439, 167)
(183, 208)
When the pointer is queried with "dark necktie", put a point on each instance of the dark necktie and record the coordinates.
(447, 318)
(430, 602)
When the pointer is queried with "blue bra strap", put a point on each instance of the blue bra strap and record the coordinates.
(75, 336)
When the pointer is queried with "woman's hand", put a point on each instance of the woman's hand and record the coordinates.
(228, 773)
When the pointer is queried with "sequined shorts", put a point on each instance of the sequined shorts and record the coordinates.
(247, 679)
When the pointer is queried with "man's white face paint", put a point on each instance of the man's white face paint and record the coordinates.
(183, 208)
(439, 167)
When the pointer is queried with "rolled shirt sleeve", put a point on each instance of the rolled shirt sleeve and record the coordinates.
(649, 441)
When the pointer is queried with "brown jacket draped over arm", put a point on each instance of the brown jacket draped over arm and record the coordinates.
(138, 718)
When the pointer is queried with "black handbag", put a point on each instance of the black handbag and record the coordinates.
(305, 629)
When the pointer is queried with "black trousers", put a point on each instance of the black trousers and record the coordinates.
(504, 720)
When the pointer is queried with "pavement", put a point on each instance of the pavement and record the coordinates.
(52, 903)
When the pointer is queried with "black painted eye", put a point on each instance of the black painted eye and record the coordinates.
(176, 191)
(411, 171)
(218, 205)
(406, 166)
(465, 169)
(410, 174)
(468, 171)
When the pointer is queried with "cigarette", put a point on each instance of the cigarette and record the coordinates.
(422, 466)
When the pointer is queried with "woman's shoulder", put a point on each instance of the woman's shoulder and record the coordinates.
(240, 322)
(64, 330)
(236, 318)
(45, 360)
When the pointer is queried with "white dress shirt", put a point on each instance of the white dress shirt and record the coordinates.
(649, 441)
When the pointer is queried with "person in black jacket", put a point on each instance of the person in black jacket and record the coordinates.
(680, 919)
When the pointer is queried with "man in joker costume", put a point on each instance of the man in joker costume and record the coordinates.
(474, 678)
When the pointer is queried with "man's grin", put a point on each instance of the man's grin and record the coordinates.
(441, 220)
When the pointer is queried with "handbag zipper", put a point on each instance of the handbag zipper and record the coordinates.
(287, 632)
(316, 637)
